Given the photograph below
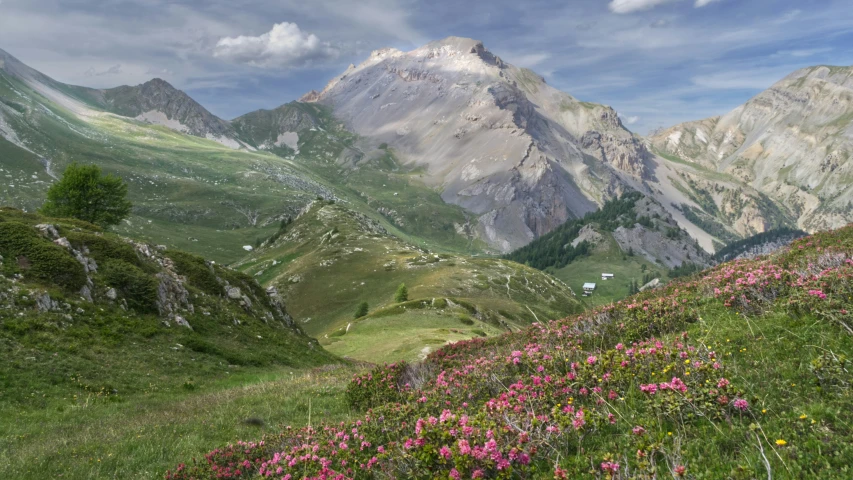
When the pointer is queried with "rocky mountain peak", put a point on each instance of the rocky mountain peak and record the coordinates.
(157, 101)
(496, 139)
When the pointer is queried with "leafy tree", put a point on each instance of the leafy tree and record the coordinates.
(402, 293)
(361, 310)
(84, 192)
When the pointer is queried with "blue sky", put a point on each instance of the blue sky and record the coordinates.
(658, 62)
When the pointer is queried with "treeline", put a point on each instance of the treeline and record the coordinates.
(555, 248)
(685, 270)
(781, 235)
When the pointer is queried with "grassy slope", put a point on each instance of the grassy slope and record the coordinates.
(189, 192)
(77, 379)
(609, 259)
(785, 353)
(142, 436)
(328, 261)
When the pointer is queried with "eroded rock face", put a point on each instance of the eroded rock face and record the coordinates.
(792, 142)
(496, 139)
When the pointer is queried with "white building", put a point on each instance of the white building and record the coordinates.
(607, 276)
(588, 288)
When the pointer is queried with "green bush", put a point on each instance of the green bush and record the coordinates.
(103, 248)
(136, 286)
(439, 303)
(465, 319)
(402, 294)
(361, 310)
(26, 250)
(198, 273)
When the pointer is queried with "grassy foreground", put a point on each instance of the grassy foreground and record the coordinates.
(142, 436)
(741, 372)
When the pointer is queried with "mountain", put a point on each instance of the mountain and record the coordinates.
(791, 143)
(632, 237)
(156, 102)
(278, 129)
(517, 154)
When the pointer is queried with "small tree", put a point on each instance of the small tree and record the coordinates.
(86, 193)
(361, 310)
(402, 293)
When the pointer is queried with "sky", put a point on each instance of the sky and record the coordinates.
(657, 62)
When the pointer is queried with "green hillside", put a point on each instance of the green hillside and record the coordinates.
(201, 196)
(330, 259)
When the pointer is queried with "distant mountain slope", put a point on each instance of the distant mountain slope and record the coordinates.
(792, 143)
(155, 101)
(278, 129)
(495, 139)
(158, 102)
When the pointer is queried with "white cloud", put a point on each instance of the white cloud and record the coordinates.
(628, 6)
(92, 72)
(631, 120)
(525, 60)
(286, 45)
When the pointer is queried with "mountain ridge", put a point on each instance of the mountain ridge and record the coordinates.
(792, 142)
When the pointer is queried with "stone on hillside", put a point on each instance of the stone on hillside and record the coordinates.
(233, 293)
(112, 294)
(47, 230)
(182, 322)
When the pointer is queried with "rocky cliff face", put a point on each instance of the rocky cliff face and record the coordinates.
(792, 143)
(496, 139)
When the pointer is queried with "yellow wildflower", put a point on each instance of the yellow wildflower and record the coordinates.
(781, 442)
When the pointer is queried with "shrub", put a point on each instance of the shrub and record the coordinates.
(138, 288)
(378, 387)
(38, 257)
(402, 293)
(103, 248)
(361, 310)
(198, 273)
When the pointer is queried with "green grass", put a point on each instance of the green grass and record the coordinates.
(410, 335)
(144, 435)
(611, 260)
(324, 276)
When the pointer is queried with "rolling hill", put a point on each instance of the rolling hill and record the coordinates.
(329, 259)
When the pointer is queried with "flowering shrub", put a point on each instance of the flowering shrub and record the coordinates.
(530, 403)
(378, 387)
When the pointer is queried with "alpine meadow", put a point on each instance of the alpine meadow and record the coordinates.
(273, 240)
